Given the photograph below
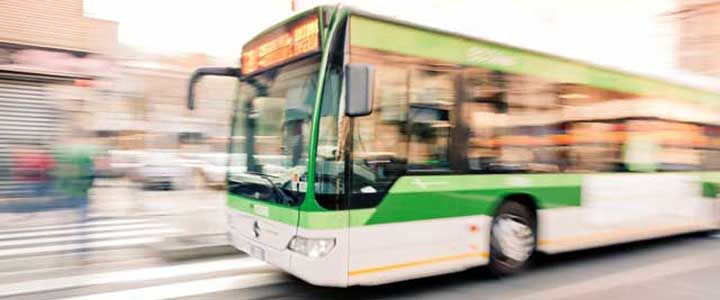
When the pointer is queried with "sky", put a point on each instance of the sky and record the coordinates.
(631, 34)
(216, 27)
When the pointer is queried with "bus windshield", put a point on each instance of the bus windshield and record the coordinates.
(271, 133)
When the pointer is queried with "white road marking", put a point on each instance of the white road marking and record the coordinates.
(191, 288)
(78, 229)
(133, 275)
(631, 277)
(96, 236)
(68, 268)
(89, 245)
(75, 225)
(59, 256)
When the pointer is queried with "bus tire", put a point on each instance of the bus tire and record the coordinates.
(513, 238)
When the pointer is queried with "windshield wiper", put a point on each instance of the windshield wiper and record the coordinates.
(263, 175)
(286, 199)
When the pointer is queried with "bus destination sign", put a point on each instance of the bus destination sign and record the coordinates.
(293, 40)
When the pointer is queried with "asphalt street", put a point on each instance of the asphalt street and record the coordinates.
(43, 259)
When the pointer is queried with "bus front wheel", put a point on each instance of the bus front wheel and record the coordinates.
(513, 238)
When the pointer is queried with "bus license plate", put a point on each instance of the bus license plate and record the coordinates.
(257, 252)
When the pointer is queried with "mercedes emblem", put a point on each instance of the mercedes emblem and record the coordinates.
(256, 229)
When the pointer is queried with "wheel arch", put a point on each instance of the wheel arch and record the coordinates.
(527, 200)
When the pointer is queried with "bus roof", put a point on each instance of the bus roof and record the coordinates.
(692, 85)
(687, 79)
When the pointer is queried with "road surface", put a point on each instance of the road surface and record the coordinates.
(47, 261)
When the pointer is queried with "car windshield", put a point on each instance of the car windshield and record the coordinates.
(271, 133)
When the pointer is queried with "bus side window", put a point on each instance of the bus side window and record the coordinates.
(379, 143)
(430, 118)
(711, 155)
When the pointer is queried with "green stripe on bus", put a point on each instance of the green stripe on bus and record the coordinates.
(276, 212)
(710, 184)
(293, 216)
(415, 198)
(376, 34)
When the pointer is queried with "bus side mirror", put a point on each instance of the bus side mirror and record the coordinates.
(359, 80)
(199, 73)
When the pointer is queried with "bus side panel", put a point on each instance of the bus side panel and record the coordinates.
(415, 232)
(430, 225)
(390, 252)
(402, 237)
(627, 207)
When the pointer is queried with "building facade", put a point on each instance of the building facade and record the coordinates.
(64, 74)
(51, 56)
(144, 104)
(698, 36)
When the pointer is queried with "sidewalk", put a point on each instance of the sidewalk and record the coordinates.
(28, 219)
(198, 216)
(196, 212)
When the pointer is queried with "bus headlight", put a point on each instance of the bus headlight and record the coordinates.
(310, 247)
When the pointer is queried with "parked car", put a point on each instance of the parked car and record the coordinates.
(124, 162)
(214, 166)
(214, 169)
(164, 170)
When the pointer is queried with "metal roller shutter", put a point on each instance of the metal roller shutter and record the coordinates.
(28, 118)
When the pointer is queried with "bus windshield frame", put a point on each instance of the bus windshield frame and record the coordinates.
(271, 132)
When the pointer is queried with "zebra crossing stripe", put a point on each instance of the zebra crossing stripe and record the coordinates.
(74, 225)
(70, 247)
(79, 229)
(71, 267)
(81, 236)
(134, 275)
(191, 288)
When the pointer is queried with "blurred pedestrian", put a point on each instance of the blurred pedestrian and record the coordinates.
(75, 175)
(32, 171)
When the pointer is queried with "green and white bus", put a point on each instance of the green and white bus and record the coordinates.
(366, 150)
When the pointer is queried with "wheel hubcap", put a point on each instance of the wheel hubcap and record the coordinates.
(513, 237)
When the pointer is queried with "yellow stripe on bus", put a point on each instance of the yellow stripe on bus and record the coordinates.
(623, 234)
(571, 240)
(416, 263)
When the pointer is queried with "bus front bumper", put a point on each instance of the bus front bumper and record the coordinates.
(330, 270)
